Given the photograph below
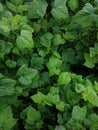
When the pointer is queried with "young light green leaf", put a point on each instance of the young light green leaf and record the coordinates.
(40, 98)
(64, 78)
(90, 95)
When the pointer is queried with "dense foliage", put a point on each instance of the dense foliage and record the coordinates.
(48, 64)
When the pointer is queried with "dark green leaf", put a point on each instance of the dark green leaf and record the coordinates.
(27, 75)
(38, 8)
(79, 114)
(7, 87)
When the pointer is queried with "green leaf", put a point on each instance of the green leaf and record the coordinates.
(72, 97)
(91, 121)
(94, 51)
(60, 106)
(85, 17)
(15, 22)
(15, 51)
(37, 62)
(55, 99)
(45, 78)
(56, 54)
(7, 122)
(96, 86)
(25, 40)
(54, 90)
(64, 78)
(69, 56)
(96, 2)
(60, 119)
(27, 75)
(1, 8)
(22, 61)
(79, 87)
(45, 40)
(38, 8)
(79, 113)
(17, 2)
(11, 6)
(4, 27)
(70, 36)
(75, 125)
(40, 98)
(90, 62)
(7, 87)
(24, 26)
(36, 27)
(58, 39)
(10, 63)
(54, 65)
(73, 4)
(43, 51)
(60, 128)
(60, 11)
(8, 15)
(32, 115)
(5, 47)
(22, 8)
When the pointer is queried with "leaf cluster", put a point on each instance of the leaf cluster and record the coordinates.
(48, 64)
